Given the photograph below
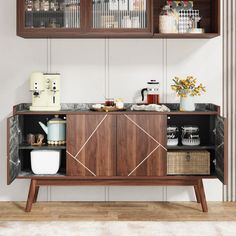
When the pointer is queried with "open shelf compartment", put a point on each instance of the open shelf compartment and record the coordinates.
(29, 124)
(206, 125)
(210, 19)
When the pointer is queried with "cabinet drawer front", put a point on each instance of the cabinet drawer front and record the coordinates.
(91, 145)
(141, 142)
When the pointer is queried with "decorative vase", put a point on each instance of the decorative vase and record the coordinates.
(187, 103)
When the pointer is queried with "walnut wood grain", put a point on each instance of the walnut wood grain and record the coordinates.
(100, 151)
(35, 183)
(197, 194)
(202, 196)
(31, 195)
(116, 178)
(125, 182)
(36, 194)
(133, 145)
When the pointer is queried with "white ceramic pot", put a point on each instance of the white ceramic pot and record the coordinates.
(45, 162)
(167, 24)
(187, 103)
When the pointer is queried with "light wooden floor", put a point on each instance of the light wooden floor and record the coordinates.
(113, 211)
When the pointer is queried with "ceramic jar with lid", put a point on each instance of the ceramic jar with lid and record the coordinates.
(190, 135)
(44, 5)
(29, 5)
(172, 136)
(37, 5)
(168, 20)
(54, 5)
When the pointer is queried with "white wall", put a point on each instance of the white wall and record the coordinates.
(84, 73)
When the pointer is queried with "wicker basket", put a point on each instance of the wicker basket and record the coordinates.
(188, 163)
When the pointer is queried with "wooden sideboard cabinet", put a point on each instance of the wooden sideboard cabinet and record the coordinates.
(117, 148)
(106, 19)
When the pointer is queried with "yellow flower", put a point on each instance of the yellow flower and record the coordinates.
(183, 87)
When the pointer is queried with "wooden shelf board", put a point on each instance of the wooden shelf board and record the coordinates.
(44, 12)
(186, 36)
(190, 147)
(44, 147)
(62, 175)
(29, 174)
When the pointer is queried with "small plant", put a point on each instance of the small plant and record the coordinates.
(184, 87)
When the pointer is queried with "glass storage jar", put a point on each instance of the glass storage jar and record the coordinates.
(172, 136)
(168, 20)
(29, 5)
(190, 135)
(44, 5)
(37, 5)
(54, 5)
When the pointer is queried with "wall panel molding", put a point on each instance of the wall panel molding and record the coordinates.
(229, 91)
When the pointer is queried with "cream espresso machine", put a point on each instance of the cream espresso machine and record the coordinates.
(45, 88)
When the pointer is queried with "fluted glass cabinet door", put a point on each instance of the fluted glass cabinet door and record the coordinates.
(131, 15)
(52, 14)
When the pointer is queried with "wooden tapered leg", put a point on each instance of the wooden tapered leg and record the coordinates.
(31, 195)
(202, 196)
(36, 194)
(197, 193)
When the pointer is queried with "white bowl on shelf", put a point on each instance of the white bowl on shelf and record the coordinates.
(45, 162)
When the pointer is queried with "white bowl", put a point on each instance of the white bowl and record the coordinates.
(45, 162)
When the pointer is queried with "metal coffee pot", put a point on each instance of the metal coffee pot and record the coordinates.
(55, 130)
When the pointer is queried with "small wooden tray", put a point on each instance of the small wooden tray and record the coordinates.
(107, 109)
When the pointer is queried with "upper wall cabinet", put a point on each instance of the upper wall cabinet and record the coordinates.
(50, 19)
(118, 19)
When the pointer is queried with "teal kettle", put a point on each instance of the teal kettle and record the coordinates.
(55, 130)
